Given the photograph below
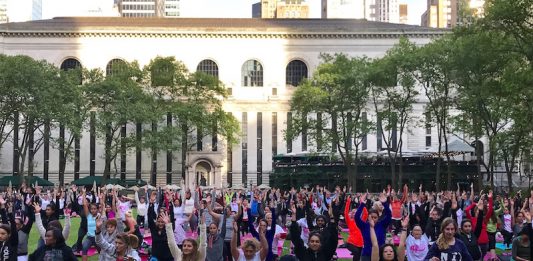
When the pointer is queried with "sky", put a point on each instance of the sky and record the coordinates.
(196, 8)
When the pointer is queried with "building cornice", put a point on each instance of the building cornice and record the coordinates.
(211, 35)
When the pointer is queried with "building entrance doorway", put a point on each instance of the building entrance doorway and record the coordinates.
(204, 174)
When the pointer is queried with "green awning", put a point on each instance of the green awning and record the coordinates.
(17, 181)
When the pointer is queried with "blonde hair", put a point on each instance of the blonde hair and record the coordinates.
(251, 242)
(442, 243)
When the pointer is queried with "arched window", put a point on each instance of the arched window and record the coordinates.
(295, 72)
(252, 74)
(72, 64)
(209, 67)
(114, 66)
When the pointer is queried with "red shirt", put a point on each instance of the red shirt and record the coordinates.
(484, 236)
(355, 238)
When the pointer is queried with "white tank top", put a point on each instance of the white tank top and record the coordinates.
(256, 257)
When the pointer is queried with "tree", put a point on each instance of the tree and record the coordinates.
(117, 100)
(434, 72)
(492, 88)
(514, 20)
(194, 101)
(393, 96)
(39, 94)
(337, 95)
(75, 116)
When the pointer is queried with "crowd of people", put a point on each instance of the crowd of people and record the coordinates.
(247, 225)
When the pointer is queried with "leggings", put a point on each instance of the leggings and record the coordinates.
(140, 220)
(356, 251)
(507, 237)
(492, 240)
(226, 253)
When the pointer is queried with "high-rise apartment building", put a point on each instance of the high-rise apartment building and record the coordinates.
(387, 11)
(371, 10)
(20, 10)
(149, 8)
(3, 11)
(404, 19)
(292, 9)
(284, 9)
(440, 14)
(37, 10)
(449, 13)
(268, 8)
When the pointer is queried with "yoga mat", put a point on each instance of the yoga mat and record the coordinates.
(92, 251)
(343, 253)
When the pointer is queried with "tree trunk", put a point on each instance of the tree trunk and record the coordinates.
(16, 148)
(400, 171)
(478, 163)
(448, 163)
(392, 161)
(351, 172)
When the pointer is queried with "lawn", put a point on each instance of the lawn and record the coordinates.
(75, 224)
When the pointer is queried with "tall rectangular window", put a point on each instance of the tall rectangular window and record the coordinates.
(304, 133)
(214, 139)
(428, 122)
(364, 140)
(319, 131)
(244, 127)
(274, 133)
(229, 162)
(289, 122)
(428, 128)
(199, 141)
(259, 148)
(92, 135)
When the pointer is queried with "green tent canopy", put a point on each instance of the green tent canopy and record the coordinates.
(17, 181)
(90, 180)
(134, 182)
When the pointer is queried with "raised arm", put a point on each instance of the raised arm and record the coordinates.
(264, 243)
(403, 237)
(172, 245)
(84, 202)
(38, 220)
(375, 246)
(234, 250)
(100, 241)
(202, 247)
(295, 232)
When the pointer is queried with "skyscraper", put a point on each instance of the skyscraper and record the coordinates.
(284, 9)
(37, 10)
(371, 10)
(3, 11)
(149, 8)
(403, 14)
(387, 11)
(440, 14)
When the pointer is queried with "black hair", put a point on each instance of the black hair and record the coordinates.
(315, 234)
(524, 231)
(58, 236)
(382, 248)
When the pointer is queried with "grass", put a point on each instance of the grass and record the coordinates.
(73, 236)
